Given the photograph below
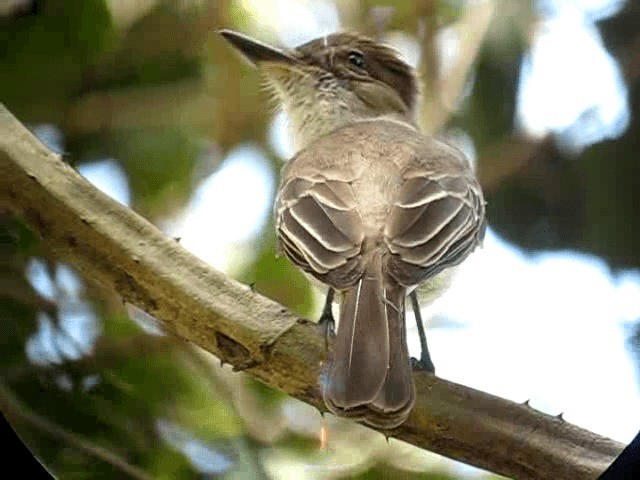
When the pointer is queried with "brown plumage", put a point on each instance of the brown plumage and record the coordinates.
(383, 64)
(373, 209)
(369, 206)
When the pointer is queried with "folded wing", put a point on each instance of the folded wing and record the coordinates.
(435, 221)
(320, 229)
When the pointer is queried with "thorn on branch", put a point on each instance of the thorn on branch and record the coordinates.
(236, 353)
(245, 366)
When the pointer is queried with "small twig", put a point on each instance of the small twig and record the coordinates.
(444, 88)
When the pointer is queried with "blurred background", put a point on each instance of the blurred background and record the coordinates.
(148, 103)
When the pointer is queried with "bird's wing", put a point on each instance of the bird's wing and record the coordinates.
(319, 227)
(437, 217)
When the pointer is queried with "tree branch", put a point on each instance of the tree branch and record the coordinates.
(118, 248)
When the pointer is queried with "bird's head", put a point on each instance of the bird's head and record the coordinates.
(333, 81)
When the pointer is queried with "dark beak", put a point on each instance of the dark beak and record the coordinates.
(255, 51)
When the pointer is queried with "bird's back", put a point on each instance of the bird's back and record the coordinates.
(369, 185)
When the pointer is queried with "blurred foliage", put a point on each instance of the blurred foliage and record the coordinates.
(392, 473)
(123, 397)
(160, 164)
(47, 49)
(149, 85)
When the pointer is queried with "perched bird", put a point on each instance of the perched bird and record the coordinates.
(369, 206)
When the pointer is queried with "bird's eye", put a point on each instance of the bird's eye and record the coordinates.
(357, 60)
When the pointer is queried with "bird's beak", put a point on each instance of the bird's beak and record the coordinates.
(257, 53)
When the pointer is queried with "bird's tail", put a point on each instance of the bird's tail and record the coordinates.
(369, 376)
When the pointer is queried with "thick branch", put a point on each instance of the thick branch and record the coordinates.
(112, 244)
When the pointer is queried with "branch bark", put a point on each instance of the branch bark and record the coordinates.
(112, 244)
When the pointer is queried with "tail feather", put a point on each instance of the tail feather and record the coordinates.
(361, 349)
(369, 376)
(397, 394)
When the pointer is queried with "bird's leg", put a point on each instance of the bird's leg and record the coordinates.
(326, 319)
(425, 362)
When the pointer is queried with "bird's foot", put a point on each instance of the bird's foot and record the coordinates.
(423, 365)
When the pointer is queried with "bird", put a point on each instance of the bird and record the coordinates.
(369, 206)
